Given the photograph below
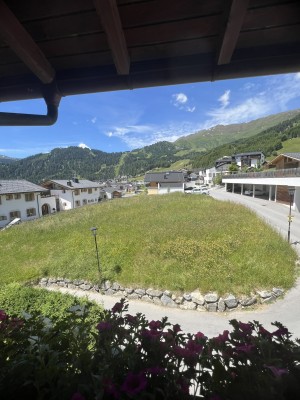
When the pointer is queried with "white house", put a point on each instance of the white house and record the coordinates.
(24, 200)
(251, 159)
(164, 182)
(73, 193)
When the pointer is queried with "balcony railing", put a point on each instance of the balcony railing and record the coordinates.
(271, 173)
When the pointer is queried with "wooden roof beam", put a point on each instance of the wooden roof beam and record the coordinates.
(19, 40)
(234, 17)
(111, 22)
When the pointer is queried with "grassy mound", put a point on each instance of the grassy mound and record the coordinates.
(175, 242)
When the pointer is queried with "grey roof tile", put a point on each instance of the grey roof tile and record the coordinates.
(19, 186)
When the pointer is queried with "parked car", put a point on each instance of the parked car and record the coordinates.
(200, 191)
(258, 192)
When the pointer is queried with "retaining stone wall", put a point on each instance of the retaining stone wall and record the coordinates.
(188, 301)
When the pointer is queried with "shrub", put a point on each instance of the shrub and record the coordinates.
(132, 358)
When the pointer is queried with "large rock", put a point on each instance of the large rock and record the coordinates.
(140, 292)
(197, 298)
(154, 293)
(211, 297)
(231, 301)
(188, 305)
(167, 301)
(115, 286)
(221, 305)
(187, 297)
(277, 292)
(264, 294)
(212, 307)
(248, 301)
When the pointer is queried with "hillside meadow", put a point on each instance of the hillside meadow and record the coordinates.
(178, 242)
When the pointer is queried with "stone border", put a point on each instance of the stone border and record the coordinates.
(188, 301)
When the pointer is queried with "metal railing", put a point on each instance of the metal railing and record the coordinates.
(271, 173)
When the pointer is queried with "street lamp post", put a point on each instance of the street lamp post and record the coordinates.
(94, 232)
(291, 194)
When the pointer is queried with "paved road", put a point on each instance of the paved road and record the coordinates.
(286, 310)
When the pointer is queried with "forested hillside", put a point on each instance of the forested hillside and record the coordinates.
(269, 142)
(64, 163)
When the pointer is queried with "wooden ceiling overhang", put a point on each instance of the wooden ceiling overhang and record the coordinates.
(57, 48)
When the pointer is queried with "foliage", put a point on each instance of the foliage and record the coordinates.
(17, 299)
(170, 242)
(132, 358)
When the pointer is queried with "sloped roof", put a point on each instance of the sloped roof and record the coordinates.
(295, 156)
(166, 177)
(19, 186)
(81, 184)
(59, 48)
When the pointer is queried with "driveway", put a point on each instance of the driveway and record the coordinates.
(286, 310)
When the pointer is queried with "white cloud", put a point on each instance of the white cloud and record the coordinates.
(224, 99)
(93, 120)
(84, 146)
(180, 100)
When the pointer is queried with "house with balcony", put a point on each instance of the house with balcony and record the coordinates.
(73, 193)
(24, 201)
(253, 159)
(164, 182)
(281, 173)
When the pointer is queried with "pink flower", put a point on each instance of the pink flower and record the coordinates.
(155, 325)
(117, 308)
(245, 328)
(131, 319)
(264, 332)
(155, 370)
(200, 335)
(222, 338)
(176, 328)
(151, 334)
(278, 372)
(134, 383)
(104, 326)
(280, 332)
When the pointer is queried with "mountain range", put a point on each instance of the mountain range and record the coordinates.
(198, 150)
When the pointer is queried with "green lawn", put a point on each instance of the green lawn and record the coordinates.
(178, 242)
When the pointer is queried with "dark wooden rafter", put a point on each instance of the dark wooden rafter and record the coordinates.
(19, 40)
(111, 22)
(234, 16)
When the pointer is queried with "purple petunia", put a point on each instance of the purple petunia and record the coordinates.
(104, 326)
(134, 383)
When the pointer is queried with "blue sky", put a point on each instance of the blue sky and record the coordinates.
(125, 120)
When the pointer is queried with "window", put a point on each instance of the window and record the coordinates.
(29, 196)
(83, 190)
(31, 212)
(0, 199)
(14, 214)
(76, 192)
(90, 190)
(84, 202)
(9, 197)
(3, 217)
(95, 189)
(17, 196)
(77, 203)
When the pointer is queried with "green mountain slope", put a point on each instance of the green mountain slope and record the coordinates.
(64, 163)
(269, 141)
(222, 134)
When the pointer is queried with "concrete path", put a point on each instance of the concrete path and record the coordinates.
(286, 310)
